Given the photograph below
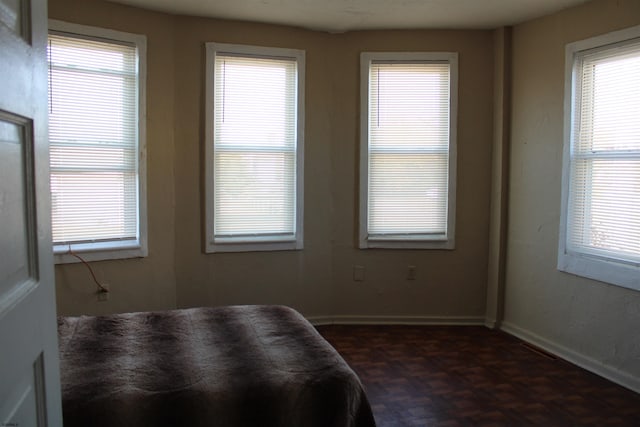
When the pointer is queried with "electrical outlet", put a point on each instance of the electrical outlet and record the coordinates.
(411, 272)
(358, 273)
(103, 294)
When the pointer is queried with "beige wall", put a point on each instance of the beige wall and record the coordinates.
(318, 280)
(594, 324)
(148, 283)
(301, 279)
(449, 283)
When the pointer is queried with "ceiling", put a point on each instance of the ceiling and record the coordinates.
(346, 15)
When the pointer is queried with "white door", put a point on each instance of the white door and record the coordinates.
(29, 376)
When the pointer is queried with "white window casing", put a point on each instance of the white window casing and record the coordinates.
(254, 148)
(408, 150)
(97, 142)
(600, 217)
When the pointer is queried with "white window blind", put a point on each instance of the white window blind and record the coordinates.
(93, 135)
(604, 188)
(256, 157)
(408, 150)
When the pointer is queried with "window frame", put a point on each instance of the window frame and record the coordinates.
(249, 243)
(588, 265)
(416, 242)
(111, 250)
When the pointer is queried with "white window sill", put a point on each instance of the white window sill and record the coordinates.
(99, 251)
(607, 271)
(254, 245)
(407, 243)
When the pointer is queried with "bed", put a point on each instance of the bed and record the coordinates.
(224, 367)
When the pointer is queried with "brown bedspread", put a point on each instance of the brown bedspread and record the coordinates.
(226, 366)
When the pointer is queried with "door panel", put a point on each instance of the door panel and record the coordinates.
(14, 15)
(29, 377)
(26, 404)
(18, 266)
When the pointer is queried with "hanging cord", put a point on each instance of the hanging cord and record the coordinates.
(50, 60)
(101, 287)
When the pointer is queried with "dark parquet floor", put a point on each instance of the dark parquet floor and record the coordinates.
(473, 376)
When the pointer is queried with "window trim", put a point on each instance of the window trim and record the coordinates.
(624, 274)
(411, 242)
(98, 251)
(262, 243)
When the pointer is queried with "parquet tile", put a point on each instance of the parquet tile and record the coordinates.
(452, 376)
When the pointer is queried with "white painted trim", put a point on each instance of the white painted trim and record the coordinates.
(491, 323)
(612, 374)
(99, 251)
(365, 63)
(97, 32)
(418, 242)
(396, 320)
(248, 244)
(589, 265)
(605, 39)
(115, 249)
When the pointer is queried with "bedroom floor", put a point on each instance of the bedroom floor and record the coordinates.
(473, 376)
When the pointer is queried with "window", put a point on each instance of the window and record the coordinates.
(254, 149)
(96, 137)
(408, 150)
(600, 221)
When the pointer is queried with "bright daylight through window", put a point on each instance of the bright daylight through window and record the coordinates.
(600, 231)
(95, 135)
(254, 148)
(408, 150)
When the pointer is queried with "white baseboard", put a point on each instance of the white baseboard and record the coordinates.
(396, 320)
(612, 374)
